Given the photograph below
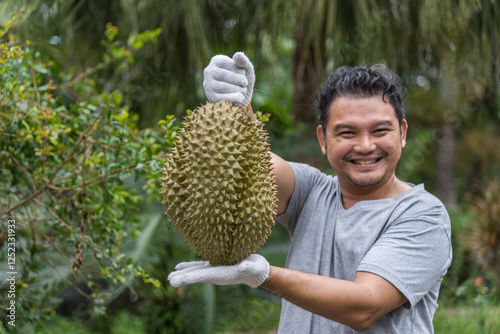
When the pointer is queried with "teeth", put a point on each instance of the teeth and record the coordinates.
(364, 162)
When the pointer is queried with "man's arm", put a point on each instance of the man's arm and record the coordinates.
(232, 79)
(356, 304)
(285, 180)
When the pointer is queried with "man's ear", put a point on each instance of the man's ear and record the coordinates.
(404, 129)
(321, 138)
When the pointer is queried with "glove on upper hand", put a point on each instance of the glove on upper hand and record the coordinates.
(251, 271)
(229, 79)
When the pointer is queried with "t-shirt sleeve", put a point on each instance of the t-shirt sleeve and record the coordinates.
(306, 178)
(414, 253)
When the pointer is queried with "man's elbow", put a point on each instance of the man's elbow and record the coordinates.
(361, 327)
(363, 321)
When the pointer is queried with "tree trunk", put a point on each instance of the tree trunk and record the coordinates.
(445, 163)
(306, 81)
(309, 61)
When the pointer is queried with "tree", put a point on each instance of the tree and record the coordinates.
(164, 77)
(69, 155)
(469, 31)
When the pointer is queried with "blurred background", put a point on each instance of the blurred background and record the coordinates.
(446, 54)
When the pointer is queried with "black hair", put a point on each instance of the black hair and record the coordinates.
(360, 81)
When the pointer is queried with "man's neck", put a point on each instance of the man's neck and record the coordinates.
(389, 189)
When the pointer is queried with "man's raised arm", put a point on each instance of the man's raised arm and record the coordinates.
(233, 79)
(285, 180)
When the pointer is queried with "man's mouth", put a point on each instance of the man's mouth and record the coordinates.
(364, 162)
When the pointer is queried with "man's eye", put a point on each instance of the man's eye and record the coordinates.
(381, 131)
(346, 133)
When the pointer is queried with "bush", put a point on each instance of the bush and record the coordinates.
(467, 320)
(67, 150)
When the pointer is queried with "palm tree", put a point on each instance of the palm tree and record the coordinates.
(466, 40)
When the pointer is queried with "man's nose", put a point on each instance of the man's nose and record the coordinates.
(365, 144)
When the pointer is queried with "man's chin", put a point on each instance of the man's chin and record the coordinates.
(365, 182)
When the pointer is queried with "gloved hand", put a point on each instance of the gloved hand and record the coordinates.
(229, 79)
(251, 271)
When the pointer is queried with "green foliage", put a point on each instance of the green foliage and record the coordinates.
(68, 154)
(483, 239)
(473, 278)
(159, 249)
(467, 320)
(122, 323)
(246, 312)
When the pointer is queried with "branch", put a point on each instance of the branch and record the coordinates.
(79, 251)
(97, 179)
(56, 216)
(24, 201)
(50, 241)
(88, 72)
(37, 94)
(23, 169)
(74, 286)
(58, 169)
(85, 239)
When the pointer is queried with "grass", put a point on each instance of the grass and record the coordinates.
(121, 323)
(262, 316)
(256, 316)
(467, 320)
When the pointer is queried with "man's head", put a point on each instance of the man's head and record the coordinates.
(362, 127)
(360, 81)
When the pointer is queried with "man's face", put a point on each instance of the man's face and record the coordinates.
(362, 141)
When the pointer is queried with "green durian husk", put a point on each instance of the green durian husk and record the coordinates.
(218, 185)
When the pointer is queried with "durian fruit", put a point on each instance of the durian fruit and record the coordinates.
(218, 185)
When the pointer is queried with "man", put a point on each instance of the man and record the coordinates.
(368, 250)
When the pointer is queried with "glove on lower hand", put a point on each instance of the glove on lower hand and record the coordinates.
(229, 79)
(251, 271)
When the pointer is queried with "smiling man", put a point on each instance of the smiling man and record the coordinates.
(362, 133)
(368, 251)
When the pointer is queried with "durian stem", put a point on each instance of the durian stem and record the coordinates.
(250, 106)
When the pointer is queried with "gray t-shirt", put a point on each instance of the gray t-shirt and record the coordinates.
(405, 240)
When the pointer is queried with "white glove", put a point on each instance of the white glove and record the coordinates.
(229, 79)
(251, 271)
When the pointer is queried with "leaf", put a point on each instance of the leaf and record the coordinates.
(41, 69)
(111, 32)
